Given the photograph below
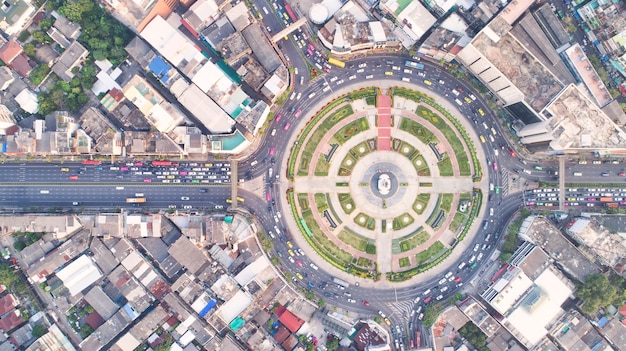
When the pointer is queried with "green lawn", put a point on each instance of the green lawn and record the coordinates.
(407, 150)
(457, 221)
(410, 126)
(432, 252)
(365, 221)
(421, 166)
(446, 201)
(363, 262)
(303, 201)
(445, 167)
(320, 202)
(405, 262)
(353, 239)
(451, 137)
(345, 199)
(402, 221)
(414, 240)
(321, 169)
(323, 243)
(422, 201)
(351, 129)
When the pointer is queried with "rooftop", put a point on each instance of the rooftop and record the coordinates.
(586, 71)
(542, 233)
(79, 275)
(188, 255)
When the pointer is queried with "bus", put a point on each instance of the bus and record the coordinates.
(413, 64)
(161, 163)
(290, 12)
(334, 61)
(135, 200)
(91, 162)
(341, 282)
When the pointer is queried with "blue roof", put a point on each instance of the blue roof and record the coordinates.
(159, 68)
(207, 308)
(602, 322)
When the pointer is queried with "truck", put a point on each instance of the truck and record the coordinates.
(341, 282)
(135, 200)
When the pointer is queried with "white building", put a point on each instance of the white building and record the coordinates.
(6, 119)
(79, 275)
(415, 20)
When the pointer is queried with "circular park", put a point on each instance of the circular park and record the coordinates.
(383, 183)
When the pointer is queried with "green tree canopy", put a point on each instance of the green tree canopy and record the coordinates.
(474, 336)
(596, 292)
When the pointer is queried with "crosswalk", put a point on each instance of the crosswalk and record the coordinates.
(401, 308)
(505, 183)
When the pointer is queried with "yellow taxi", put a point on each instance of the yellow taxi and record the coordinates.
(389, 73)
(481, 112)
(299, 276)
(291, 253)
(65, 169)
(427, 82)
(482, 138)
(290, 244)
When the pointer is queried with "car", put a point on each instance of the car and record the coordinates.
(277, 119)
(457, 280)
(428, 299)
(289, 244)
(171, 206)
(351, 301)
(287, 125)
(444, 289)
(421, 316)
(299, 276)
(621, 174)
(75, 203)
(442, 281)
(467, 100)
(298, 96)
(299, 263)
(365, 303)
(512, 153)
(605, 174)
(448, 275)
(476, 247)
(310, 285)
(387, 321)
(427, 82)
(291, 259)
(313, 266)
(187, 207)
(291, 253)
(327, 294)
(184, 198)
(438, 298)
(301, 252)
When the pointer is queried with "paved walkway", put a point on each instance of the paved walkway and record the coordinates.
(383, 283)
(384, 123)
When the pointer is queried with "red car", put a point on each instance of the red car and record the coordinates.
(428, 299)
(621, 174)
(512, 153)
(278, 116)
(147, 180)
(457, 280)
(299, 263)
(365, 303)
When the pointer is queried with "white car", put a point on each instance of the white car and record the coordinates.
(291, 259)
(184, 198)
(298, 96)
(438, 298)
(187, 207)
(362, 65)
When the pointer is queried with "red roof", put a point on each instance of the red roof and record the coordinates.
(116, 94)
(94, 320)
(622, 310)
(291, 321)
(9, 51)
(11, 321)
(21, 65)
(281, 334)
(7, 303)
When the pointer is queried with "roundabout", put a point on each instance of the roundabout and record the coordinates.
(383, 184)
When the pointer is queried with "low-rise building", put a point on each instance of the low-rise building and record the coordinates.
(73, 56)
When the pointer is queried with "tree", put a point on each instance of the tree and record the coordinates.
(39, 331)
(378, 319)
(596, 292)
(8, 275)
(474, 336)
(321, 303)
(45, 24)
(38, 74)
(19, 245)
(23, 36)
(29, 49)
(332, 344)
